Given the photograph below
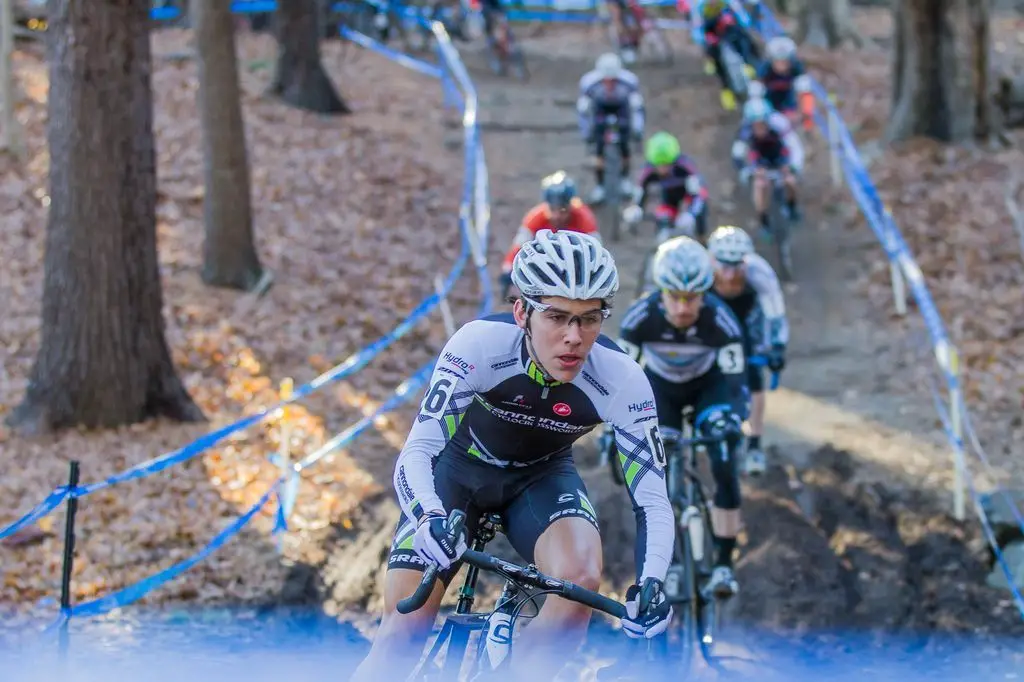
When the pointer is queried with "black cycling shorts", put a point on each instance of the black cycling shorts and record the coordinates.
(708, 391)
(624, 132)
(529, 499)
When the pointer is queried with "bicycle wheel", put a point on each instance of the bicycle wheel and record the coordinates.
(780, 230)
(612, 187)
(516, 58)
(734, 71)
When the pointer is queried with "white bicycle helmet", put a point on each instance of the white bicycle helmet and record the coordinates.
(729, 244)
(609, 65)
(565, 263)
(781, 48)
(682, 264)
(756, 110)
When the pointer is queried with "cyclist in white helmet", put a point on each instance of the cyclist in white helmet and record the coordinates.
(509, 396)
(610, 90)
(750, 287)
(690, 345)
(766, 141)
(783, 82)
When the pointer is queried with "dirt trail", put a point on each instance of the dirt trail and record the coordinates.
(849, 528)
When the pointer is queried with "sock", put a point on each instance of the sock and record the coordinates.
(599, 175)
(625, 167)
(764, 220)
(791, 204)
(754, 442)
(725, 549)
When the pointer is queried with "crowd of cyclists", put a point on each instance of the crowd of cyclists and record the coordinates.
(512, 392)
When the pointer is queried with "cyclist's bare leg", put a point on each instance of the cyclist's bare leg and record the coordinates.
(726, 523)
(760, 197)
(756, 420)
(789, 182)
(399, 642)
(569, 549)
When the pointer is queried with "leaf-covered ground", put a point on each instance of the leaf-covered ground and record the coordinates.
(353, 215)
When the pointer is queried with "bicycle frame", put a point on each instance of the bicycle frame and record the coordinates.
(691, 567)
(459, 626)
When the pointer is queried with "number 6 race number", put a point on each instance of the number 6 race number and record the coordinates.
(437, 398)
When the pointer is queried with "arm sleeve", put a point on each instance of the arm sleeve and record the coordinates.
(641, 454)
(791, 139)
(448, 395)
(769, 295)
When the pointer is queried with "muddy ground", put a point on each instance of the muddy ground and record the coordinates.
(851, 528)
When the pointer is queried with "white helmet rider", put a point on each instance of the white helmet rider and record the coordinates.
(609, 65)
(781, 48)
(682, 264)
(565, 263)
(756, 110)
(730, 245)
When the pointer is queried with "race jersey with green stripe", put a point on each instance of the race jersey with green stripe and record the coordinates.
(488, 400)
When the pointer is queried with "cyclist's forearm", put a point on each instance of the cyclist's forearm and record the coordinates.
(414, 483)
(655, 527)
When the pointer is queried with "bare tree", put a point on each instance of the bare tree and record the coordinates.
(940, 70)
(103, 359)
(826, 23)
(229, 254)
(300, 79)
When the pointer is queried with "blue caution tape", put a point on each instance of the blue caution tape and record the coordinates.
(865, 194)
(49, 503)
(127, 595)
(399, 57)
(240, 7)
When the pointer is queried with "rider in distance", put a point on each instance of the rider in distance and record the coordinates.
(722, 25)
(767, 142)
(750, 287)
(510, 395)
(560, 209)
(609, 90)
(690, 345)
(784, 83)
(682, 206)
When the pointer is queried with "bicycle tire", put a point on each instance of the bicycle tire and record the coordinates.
(780, 231)
(612, 185)
(734, 71)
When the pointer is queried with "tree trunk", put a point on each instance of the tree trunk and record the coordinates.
(300, 79)
(103, 359)
(229, 255)
(940, 69)
(826, 23)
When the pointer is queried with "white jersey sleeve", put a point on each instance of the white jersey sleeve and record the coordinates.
(765, 282)
(641, 453)
(450, 391)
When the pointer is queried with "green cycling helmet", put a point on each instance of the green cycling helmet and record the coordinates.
(662, 149)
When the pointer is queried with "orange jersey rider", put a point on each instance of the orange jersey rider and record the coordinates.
(560, 210)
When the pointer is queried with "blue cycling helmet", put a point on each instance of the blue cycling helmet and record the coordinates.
(558, 190)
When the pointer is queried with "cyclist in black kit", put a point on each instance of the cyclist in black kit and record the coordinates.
(690, 345)
(509, 396)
